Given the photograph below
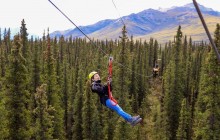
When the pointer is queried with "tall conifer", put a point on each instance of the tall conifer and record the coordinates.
(208, 104)
(122, 128)
(17, 95)
(44, 118)
(78, 105)
(52, 92)
(173, 88)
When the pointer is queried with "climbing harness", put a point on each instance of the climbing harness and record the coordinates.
(109, 81)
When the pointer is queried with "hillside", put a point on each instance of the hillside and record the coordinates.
(46, 89)
(160, 24)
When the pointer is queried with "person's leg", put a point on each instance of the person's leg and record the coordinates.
(110, 104)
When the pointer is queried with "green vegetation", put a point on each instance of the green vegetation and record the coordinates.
(45, 93)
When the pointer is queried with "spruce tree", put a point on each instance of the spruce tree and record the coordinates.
(151, 43)
(91, 125)
(155, 52)
(3, 117)
(7, 40)
(2, 61)
(123, 130)
(36, 80)
(24, 35)
(122, 75)
(174, 89)
(73, 91)
(131, 44)
(52, 92)
(43, 50)
(17, 95)
(3, 110)
(141, 86)
(133, 87)
(183, 129)
(78, 105)
(87, 112)
(208, 103)
(44, 119)
(66, 94)
(97, 126)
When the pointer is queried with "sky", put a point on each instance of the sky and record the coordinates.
(40, 14)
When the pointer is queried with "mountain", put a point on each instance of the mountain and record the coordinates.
(160, 24)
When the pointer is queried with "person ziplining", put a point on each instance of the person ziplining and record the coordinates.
(104, 91)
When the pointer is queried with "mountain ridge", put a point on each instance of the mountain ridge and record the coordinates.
(149, 23)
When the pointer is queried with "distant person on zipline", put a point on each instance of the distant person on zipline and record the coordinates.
(110, 102)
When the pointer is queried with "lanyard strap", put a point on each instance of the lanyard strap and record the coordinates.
(109, 80)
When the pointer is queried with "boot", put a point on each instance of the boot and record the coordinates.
(135, 120)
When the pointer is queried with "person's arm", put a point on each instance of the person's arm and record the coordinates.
(106, 85)
(97, 88)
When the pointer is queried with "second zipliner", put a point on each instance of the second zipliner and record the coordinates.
(105, 93)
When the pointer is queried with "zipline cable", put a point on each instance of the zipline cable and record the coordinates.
(120, 17)
(118, 13)
(74, 25)
(206, 29)
(93, 42)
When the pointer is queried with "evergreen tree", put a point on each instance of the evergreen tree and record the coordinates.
(131, 44)
(183, 129)
(59, 61)
(173, 89)
(66, 93)
(43, 50)
(91, 125)
(133, 88)
(24, 35)
(2, 60)
(151, 43)
(73, 89)
(87, 112)
(140, 80)
(3, 110)
(6, 44)
(208, 104)
(44, 119)
(78, 104)
(123, 130)
(17, 95)
(217, 36)
(155, 52)
(52, 92)
(36, 80)
(97, 126)
(109, 124)
(122, 77)
(3, 117)
(8, 41)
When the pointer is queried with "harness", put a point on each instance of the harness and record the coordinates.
(109, 80)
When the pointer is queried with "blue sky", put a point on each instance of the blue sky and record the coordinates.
(40, 14)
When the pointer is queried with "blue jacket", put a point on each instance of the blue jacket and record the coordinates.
(101, 90)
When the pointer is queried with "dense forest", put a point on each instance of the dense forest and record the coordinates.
(45, 92)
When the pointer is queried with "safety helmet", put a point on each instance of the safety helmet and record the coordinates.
(92, 74)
